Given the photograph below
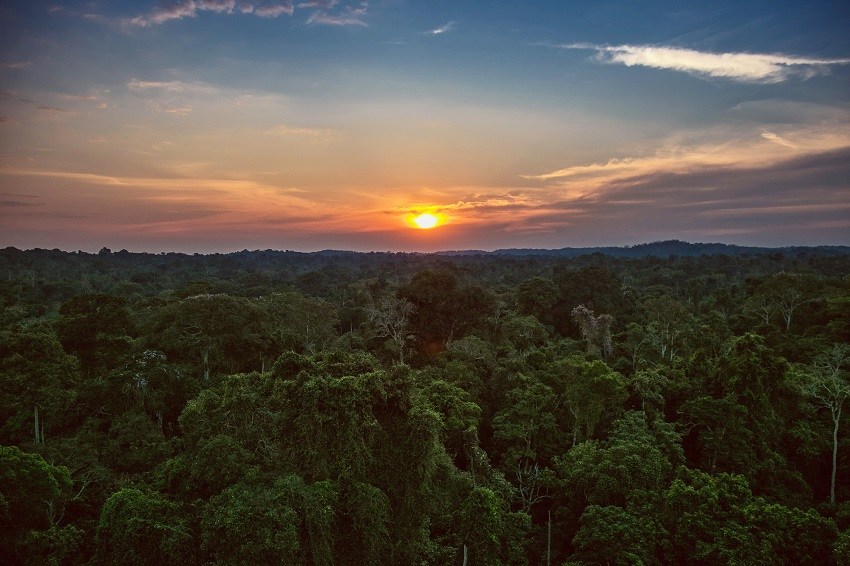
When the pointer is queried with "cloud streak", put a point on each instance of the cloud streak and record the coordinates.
(284, 130)
(445, 28)
(325, 12)
(738, 67)
(350, 17)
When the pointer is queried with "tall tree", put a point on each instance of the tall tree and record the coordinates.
(38, 385)
(826, 382)
(390, 318)
(596, 330)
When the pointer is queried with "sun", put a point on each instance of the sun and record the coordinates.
(426, 221)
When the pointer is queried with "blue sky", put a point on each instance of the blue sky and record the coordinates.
(215, 125)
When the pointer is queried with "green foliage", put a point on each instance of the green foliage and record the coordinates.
(95, 328)
(30, 489)
(199, 409)
(841, 549)
(445, 308)
(592, 392)
(248, 524)
(53, 546)
(613, 535)
(138, 528)
(36, 377)
(491, 534)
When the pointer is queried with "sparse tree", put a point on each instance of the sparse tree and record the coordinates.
(595, 329)
(391, 319)
(826, 383)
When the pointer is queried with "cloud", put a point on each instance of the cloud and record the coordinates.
(724, 146)
(15, 64)
(17, 203)
(190, 9)
(140, 208)
(323, 11)
(274, 10)
(178, 110)
(162, 14)
(170, 86)
(217, 6)
(323, 4)
(316, 133)
(52, 109)
(771, 136)
(786, 184)
(445, 28)
(350, 17)
(740, 67)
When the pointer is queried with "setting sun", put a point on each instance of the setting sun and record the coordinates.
(426, 221)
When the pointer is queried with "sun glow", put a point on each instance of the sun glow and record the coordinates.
(426, 221)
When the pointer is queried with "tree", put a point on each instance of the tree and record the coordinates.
(826, 382)
(250, 524)
(38, 385)
(297, 322)
(216, 333)
(390, 318)
(784, 293)
(716, 519)
(139, 528)
(30, 493)
(490, 533)
(589, 391)
(613, 535)
(446, 309)
(595, 329)
(668, 322)
(95, 328)
(536, 296)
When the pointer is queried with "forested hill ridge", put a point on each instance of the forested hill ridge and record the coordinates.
(668, 248)
(668, 403)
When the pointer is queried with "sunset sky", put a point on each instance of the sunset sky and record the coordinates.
(221, 125)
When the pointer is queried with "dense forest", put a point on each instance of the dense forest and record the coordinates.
(273, 407)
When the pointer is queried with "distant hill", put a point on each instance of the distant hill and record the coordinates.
(663, 249)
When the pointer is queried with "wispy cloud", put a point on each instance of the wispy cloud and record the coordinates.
(274, 10)
(17, 203)
(326, 12)
(143, 208)
(178, 110)
(170, 86)
(315, 133)
(323, 4)
(190, 9)
(740, 67)
(727, 181)
(15, 64)
(776, 138)
(162, 14)
(723, 148)
(52, 109)
(445, 28)
(351, 16)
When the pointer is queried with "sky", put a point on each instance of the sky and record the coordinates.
(222, 125)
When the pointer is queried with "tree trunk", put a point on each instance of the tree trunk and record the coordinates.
(836, 418)
(464, 555)
(549, 541)
(37, 427)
